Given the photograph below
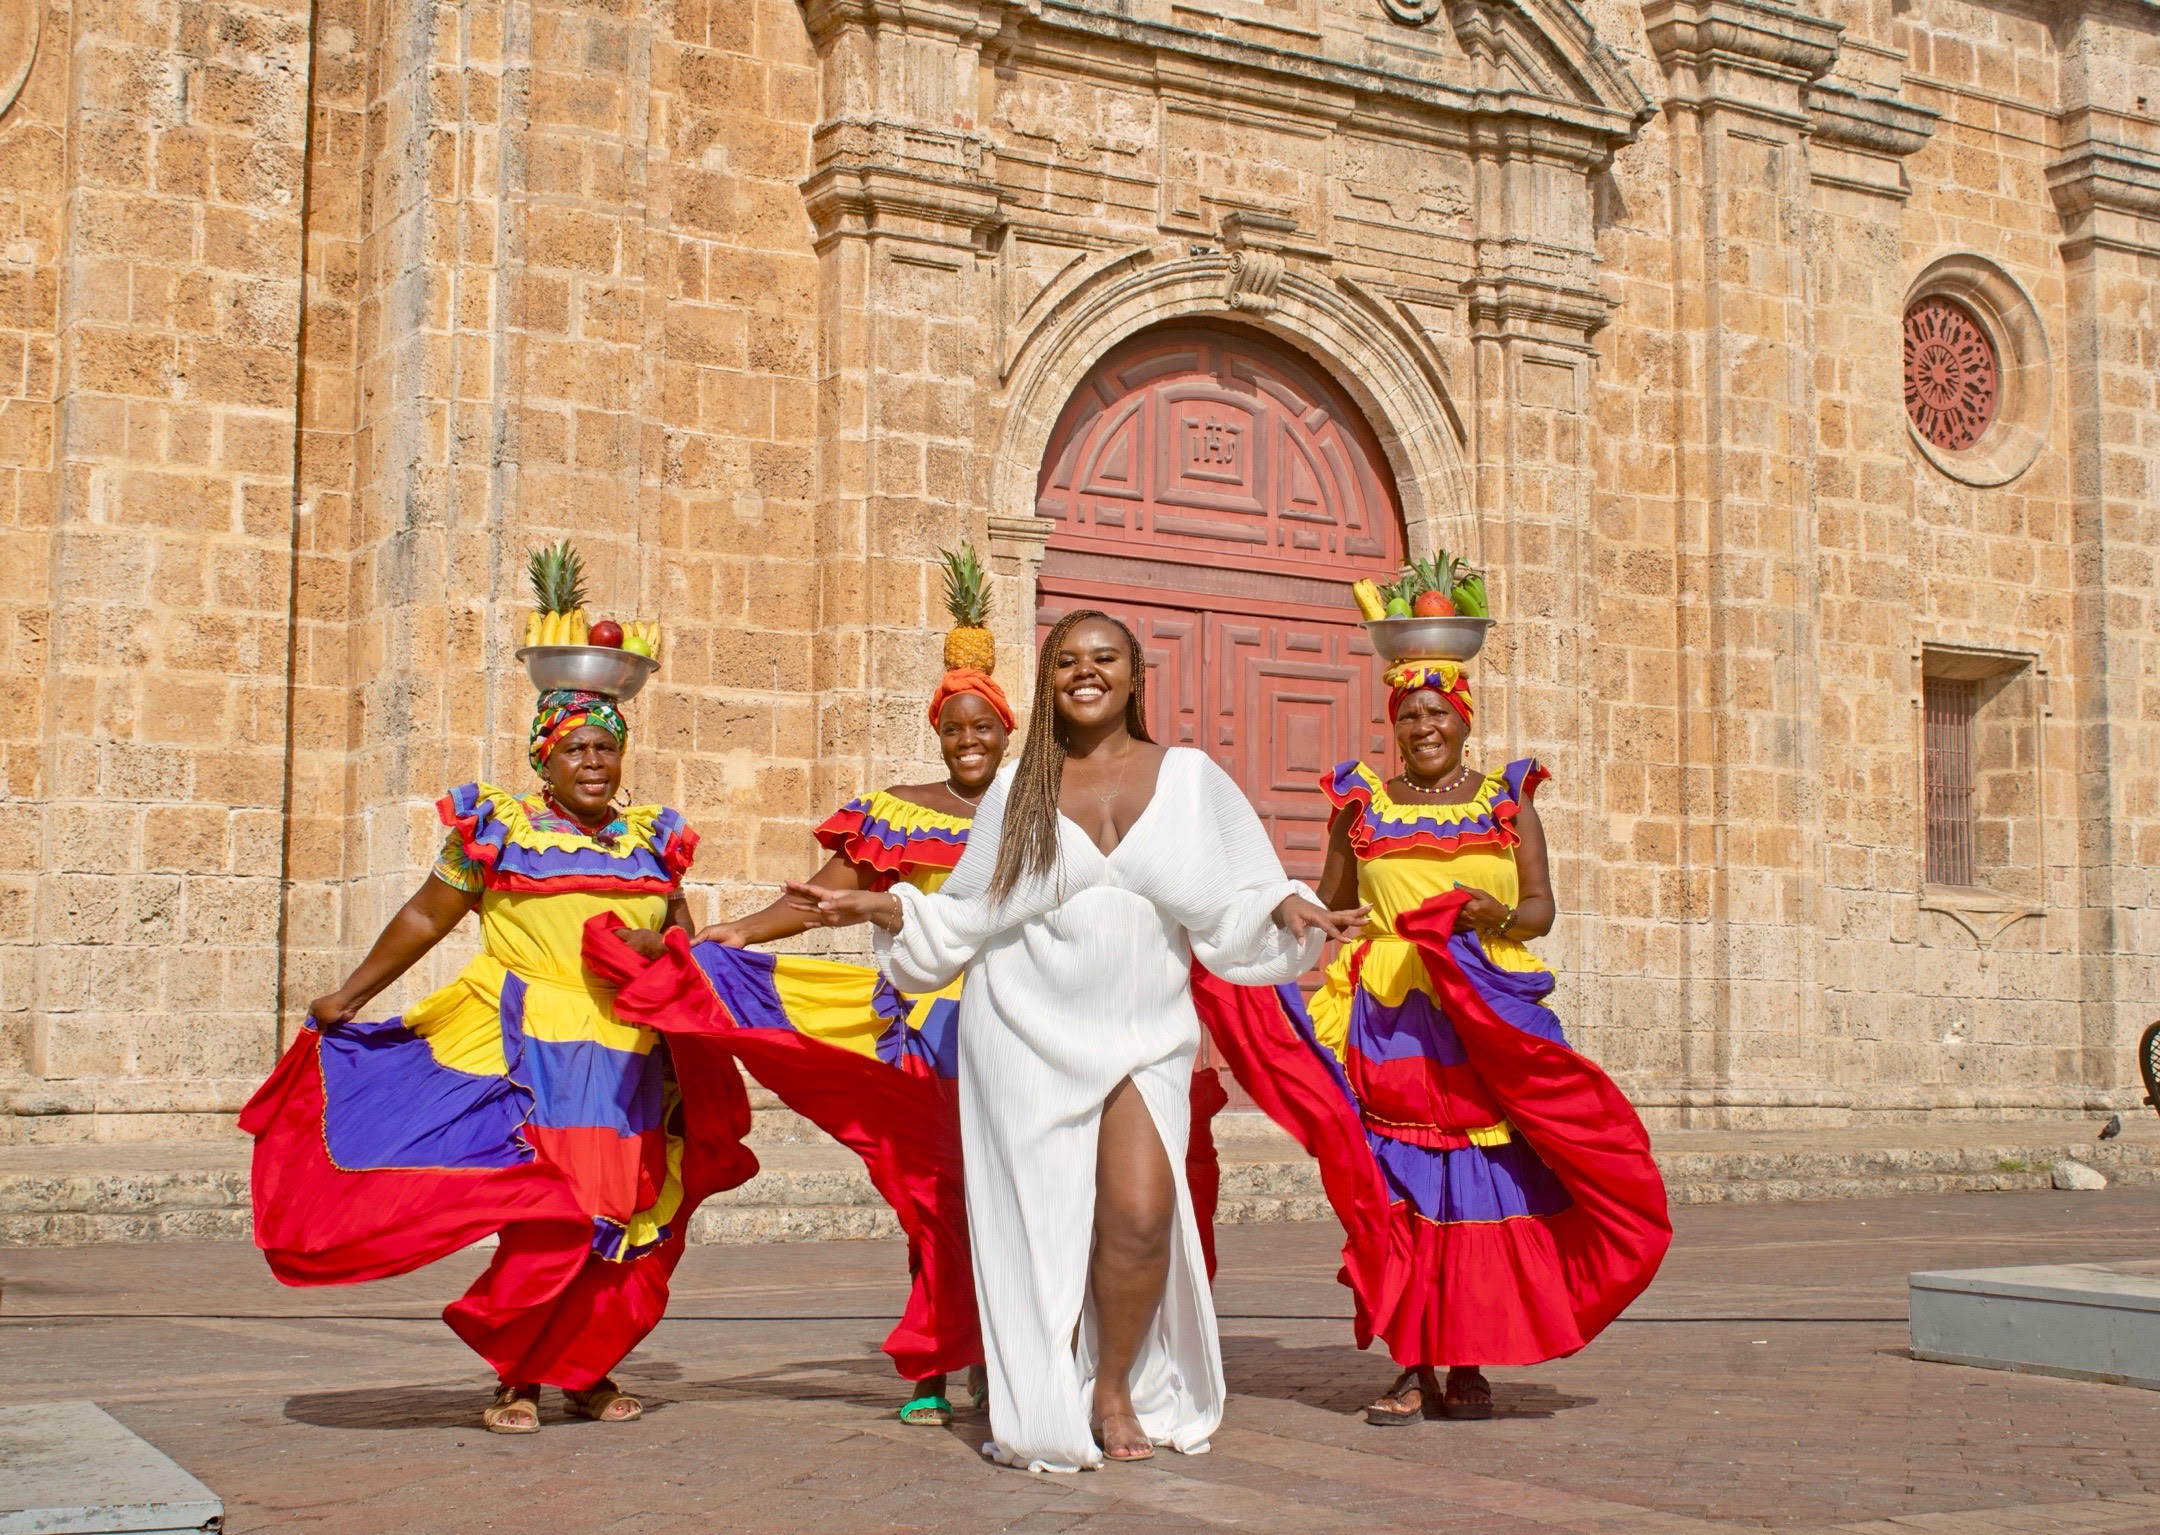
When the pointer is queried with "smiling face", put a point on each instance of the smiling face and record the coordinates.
(583, 773)
(1430, 735)
(972, 739)
(1092, 674)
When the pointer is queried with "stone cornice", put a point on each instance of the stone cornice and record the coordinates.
(1872, 124)
(1746, 54)
(1508, 303)
(1607, 109)
(1582, 105)
(2121, 178)
(876, 199)
(961, 19)
(2109, 196)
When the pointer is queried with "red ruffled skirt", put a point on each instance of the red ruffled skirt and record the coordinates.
(1509, 1251)
(431, 1160)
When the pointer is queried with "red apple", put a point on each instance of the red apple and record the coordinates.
(1432, 605)
(606, 632)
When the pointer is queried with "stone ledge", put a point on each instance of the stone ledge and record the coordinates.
(2078, 1321)
(72, 1467)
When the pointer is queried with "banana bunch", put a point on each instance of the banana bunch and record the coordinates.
(1370, 603)
(642, 637)
(569, 628)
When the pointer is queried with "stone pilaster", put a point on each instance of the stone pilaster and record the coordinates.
(1738, 76)
(2106, 187)
(904, 208)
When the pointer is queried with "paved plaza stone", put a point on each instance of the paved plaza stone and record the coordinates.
(1763, 1382)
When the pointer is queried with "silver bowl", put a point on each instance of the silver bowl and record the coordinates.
(588, 668)
(1427, 639)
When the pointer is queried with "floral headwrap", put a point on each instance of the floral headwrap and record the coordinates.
(563, 710)
(1446, 678)
(965, 679)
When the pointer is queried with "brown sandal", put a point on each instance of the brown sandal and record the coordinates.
(1466, 1409)
(1400, 1416)
(515, 1410)
(600, 1402)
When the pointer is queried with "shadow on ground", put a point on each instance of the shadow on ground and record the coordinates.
(391, 1407)
(1327, 1379)
(1343, 1379)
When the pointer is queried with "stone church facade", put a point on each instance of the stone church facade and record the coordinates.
(1794, 373)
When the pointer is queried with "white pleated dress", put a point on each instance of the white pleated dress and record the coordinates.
(1077, 980)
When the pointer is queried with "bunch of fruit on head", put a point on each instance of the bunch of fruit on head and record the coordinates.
(1438, 586)
(558, 616)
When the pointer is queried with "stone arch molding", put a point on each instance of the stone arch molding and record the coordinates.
(2006, 312)
(1386, 369)
(20, 21)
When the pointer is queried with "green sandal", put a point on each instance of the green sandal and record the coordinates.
(927, 1411)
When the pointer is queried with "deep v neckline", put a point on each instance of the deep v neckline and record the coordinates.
(1154, 798)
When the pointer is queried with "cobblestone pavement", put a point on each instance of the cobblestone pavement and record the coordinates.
(1762, 1383)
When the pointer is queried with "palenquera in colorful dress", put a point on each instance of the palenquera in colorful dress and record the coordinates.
(513, 1101)
(1497, 1189)
(837, 1044)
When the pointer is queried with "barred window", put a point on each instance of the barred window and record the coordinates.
(1950, 705)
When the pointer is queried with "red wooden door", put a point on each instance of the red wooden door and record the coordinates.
(1218, 494)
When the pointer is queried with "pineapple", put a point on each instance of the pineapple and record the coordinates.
(967, 598)
(558, 584)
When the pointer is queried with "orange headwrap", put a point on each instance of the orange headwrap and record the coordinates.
(1446, 678)
(965, 679)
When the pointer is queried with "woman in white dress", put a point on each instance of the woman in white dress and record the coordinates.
(1099, 867)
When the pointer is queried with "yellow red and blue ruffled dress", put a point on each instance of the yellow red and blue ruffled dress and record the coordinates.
(515, 1101)
(872, 1067)
(1496, 1188)
(838, 1045)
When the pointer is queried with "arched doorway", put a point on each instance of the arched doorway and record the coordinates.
(1219, 494)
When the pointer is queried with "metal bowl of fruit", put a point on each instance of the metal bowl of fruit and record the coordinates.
(1427, 639)
(605, 669)
(1435, 612)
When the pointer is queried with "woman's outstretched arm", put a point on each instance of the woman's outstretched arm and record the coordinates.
(926, 940)
(421, 923)
(788, 915)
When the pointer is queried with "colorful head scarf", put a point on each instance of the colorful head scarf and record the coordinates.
(1446, 678)
(563, 710)
(965, 679)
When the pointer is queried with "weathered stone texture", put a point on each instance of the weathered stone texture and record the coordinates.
(314, 322)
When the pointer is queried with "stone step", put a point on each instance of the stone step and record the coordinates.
(811, 1188)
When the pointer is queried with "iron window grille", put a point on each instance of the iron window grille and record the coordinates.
(1949, 706)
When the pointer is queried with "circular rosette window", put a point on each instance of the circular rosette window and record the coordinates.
(1977, 389)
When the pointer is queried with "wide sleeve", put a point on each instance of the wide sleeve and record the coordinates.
(941, 932)
(1231, 913)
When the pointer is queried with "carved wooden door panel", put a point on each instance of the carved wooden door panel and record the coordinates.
(1215, 447)
(1216, 492)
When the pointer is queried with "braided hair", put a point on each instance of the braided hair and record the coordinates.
(1029, 844)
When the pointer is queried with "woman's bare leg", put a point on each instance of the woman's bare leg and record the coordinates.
(1135, 1203)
